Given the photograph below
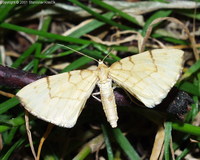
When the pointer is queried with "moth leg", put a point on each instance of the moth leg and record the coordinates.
(94, 96)
(98, 93)
(115, 85)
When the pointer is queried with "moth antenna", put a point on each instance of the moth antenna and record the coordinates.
(107, 54)
(79, 52)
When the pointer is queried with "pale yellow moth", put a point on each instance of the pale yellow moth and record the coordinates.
(59, 99)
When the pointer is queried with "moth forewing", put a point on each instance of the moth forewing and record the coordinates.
(149, 75)
(59, 99)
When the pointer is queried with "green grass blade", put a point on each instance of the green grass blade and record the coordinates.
(71, 49)
(46, 23)
(131, 49)
(24, 56)
(94, 24)
(18, 121)
(27, 6)
(193, 112)
(28, 67)
(105, 50)
(77, 63)
(107, 142)
(189, 13)
(195, 107)
(48, 53)
(170, 39)
(5, 106)
(186, 128)
(4, 128)
(125, 145)
(168, 129)
(45, 26)
(8, 139)
(183, 154)
(83, 153)
(189, 87)
(13, 148)
(158, 14)
(194, 68)
(99, 16)
(117, 11)
(45, 34)
(164, 1)
(36, 61)
(6, 8)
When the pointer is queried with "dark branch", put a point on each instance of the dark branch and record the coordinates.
(14, 78)
(175, 103)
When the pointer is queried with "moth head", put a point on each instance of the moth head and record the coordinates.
(103, 71)
(101, 65)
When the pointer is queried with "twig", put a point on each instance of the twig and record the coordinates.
(158, 143)
(29, 134)
(44, 137)
(7, 94)
(15, 78)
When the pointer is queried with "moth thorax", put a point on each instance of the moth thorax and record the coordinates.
(103, 72)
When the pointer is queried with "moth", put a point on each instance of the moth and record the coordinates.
(59, 99)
